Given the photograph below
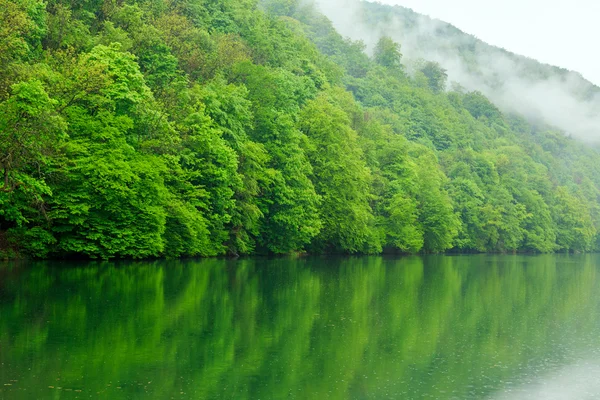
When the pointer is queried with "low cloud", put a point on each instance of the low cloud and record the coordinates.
(516, 84)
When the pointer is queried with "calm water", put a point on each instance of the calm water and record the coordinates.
(457, 327)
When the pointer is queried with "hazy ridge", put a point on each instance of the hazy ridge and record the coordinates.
(542, 92)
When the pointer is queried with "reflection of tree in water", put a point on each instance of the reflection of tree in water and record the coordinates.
(461, 327)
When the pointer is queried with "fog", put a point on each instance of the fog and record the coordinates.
(516, 84)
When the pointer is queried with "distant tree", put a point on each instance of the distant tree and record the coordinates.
(479, 106)
(436, 76)
(387, 53)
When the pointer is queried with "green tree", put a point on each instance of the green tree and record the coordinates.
(436, 76)
(289, 202)
(575, 229)
(341, 176)
(436, 213)
(387, 53)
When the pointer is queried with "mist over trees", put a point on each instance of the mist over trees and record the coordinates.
(541, 92)
(156, 128)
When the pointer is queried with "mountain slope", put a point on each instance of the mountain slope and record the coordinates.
(516, 83)
(153, 128)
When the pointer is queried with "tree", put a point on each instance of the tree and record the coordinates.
(436, 213)
(436, 76)
(387, 53)
(340, 174)
(289, 202)
(22, 26)
(575, 229)
(31, 134)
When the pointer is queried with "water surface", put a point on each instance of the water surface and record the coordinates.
(440, 327)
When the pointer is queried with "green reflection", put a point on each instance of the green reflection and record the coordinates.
(317, 328)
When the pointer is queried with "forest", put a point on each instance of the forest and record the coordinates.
(162, 128)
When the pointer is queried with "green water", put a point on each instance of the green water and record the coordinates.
(455, 327)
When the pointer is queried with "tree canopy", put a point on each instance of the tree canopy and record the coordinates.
(152, 128)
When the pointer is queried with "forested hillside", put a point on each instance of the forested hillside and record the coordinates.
(211, 127)
(541, 92)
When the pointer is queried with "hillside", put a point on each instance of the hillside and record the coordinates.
(154, 128)
(543, 93)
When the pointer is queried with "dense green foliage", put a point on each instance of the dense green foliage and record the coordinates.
(158, 128)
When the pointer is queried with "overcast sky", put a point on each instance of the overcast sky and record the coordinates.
(557, 32)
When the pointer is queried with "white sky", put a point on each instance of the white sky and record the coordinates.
(557, 32)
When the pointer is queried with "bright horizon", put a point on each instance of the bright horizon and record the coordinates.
(554, 32)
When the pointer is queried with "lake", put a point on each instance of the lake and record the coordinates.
(439, 327)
